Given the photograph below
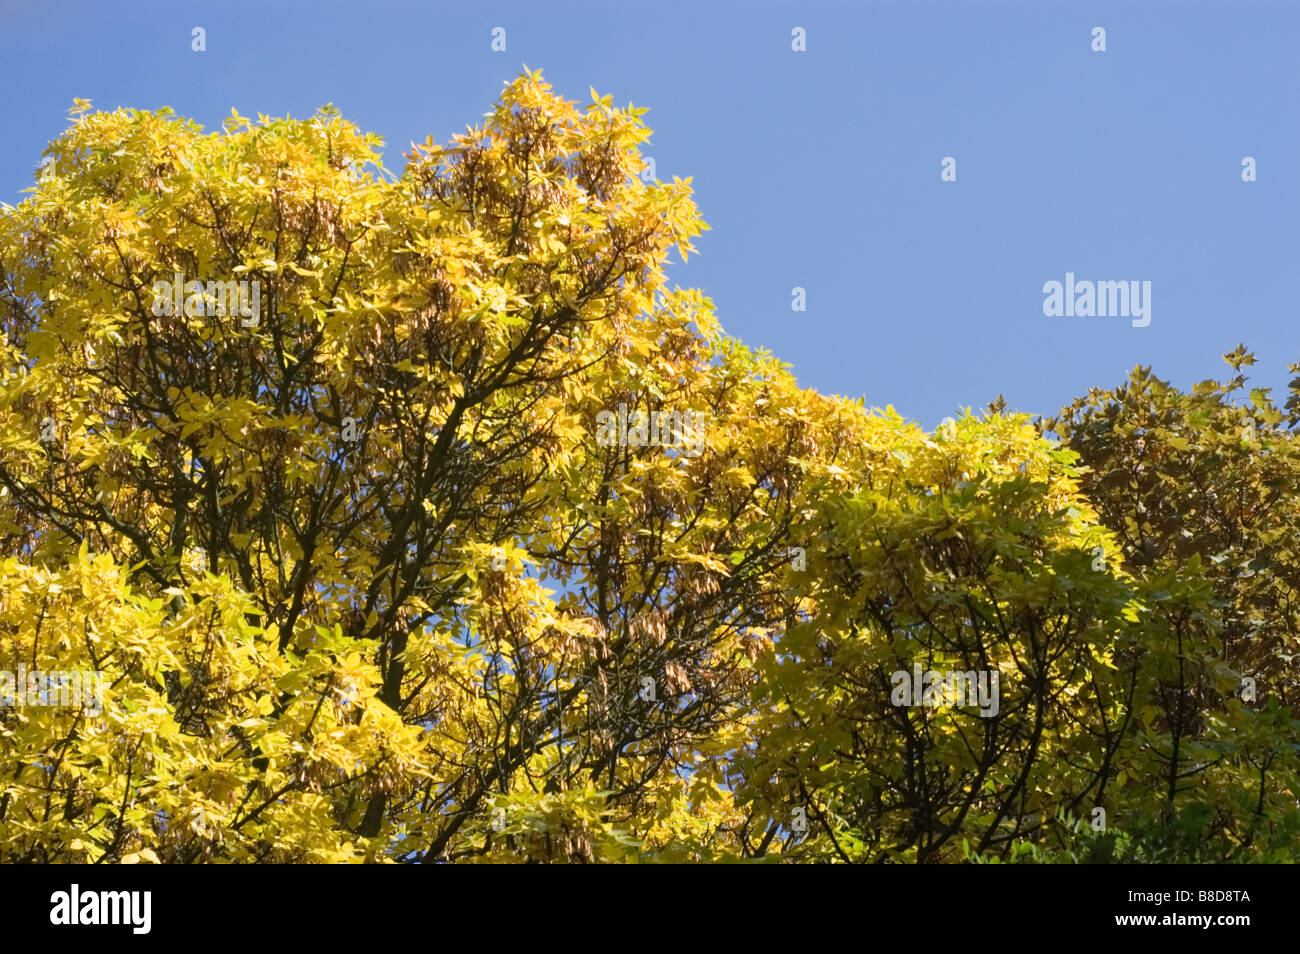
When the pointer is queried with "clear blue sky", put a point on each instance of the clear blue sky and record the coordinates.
(821, 169)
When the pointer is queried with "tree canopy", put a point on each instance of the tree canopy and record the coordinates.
(364, 584)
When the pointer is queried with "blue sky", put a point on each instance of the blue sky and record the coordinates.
(821, 169)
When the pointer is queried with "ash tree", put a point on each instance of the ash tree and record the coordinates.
(309, 458)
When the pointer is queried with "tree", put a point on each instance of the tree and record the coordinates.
(968, 551)
(367, 466)
(1198, 487)
(415, 517)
